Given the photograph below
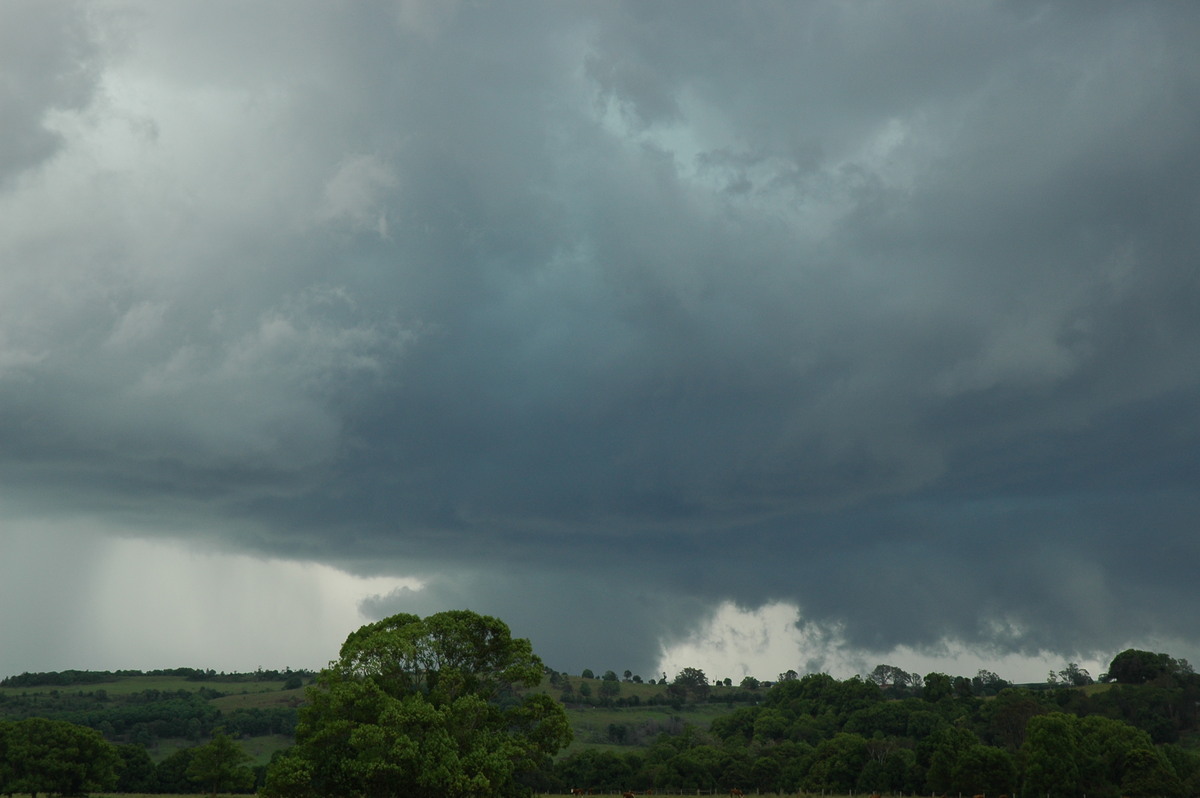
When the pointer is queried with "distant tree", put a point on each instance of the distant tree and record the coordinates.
(221, 766)
(617, 732)
(609, 689)
(676, 695)
(587, 674)
(750, 683)
(987, 683)
(628, 675)
(1070, 676)
(789, 676)
(889, 676)
(694, 682)
(638, 679)
(937, 686)
(609, 676)
(1138, 667)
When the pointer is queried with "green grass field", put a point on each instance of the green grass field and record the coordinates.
(262, 699)
(593, 726)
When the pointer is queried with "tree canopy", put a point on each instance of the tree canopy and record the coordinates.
(221, 766)
(1133, 666)
(421, 708)
(53, 756)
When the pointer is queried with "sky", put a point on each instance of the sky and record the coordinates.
(741, 336)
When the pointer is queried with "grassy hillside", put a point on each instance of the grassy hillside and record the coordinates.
(128, 685)
(638, 713)
(169, 712)
(260, 699)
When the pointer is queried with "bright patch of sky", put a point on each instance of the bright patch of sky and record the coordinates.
(116, 603)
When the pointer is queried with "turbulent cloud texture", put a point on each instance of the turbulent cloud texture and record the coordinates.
(595, 316)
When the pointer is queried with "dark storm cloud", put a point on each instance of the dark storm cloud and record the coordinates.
(828, 303)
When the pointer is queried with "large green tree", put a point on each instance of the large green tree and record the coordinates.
(422, 708)
(54, 756)
(937, 686)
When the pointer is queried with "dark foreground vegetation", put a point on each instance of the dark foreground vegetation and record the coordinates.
(451, 706)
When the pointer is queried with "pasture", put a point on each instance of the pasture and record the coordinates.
(601, 727)
(260, 699)
(128, 685)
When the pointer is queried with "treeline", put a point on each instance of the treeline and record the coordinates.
(38, 755)
(145, 717)
(690, 686)
(816, 734)
(71, 678)
(176, 774)
(890, 733)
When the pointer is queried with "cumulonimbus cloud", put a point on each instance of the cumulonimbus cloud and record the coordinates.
(820, 304)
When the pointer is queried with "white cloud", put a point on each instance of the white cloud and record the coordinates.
(769, 640)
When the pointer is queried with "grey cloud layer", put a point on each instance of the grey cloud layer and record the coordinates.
(46, 58)
(828, 302)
